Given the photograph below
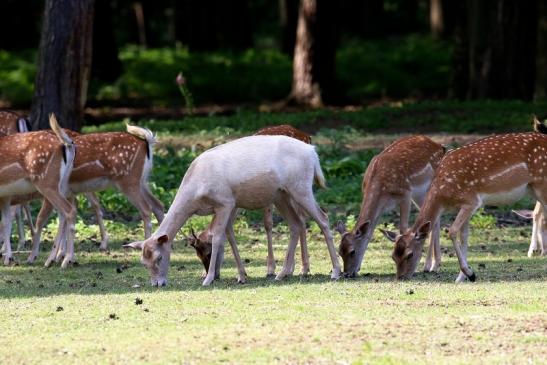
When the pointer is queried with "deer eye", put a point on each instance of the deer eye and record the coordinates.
(409, 256)
(158, 260)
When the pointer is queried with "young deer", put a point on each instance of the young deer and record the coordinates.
(37, 162)
(203, 245)
(495, 170)
(252, 173)
(399, 175)
(114, 159)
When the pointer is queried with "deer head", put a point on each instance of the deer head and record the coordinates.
(156, 254)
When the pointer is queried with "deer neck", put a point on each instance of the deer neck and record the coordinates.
(430, 210)
(177, 215)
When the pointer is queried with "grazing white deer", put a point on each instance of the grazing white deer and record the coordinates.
(113, 159)
(398, 176)
(203, 245)
(495, 170)
(251, 173)
(37, 162)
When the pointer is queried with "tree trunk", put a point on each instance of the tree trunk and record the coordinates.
(436, 20)
(502, 49)
(64, 63)
(314, 53)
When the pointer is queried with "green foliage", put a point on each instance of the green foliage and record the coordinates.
(409, 65)
(398, 67)
(17, 73)
(481, 220)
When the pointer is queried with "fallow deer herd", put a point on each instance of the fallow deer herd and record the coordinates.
(275, 167)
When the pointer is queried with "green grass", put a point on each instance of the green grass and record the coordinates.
(88, 313)
(64, 316)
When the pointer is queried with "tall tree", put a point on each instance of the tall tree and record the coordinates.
(314, 53)
(500, 50)
(64, 63)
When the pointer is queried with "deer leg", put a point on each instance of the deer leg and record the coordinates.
(155, 204)
(435, 241)
(6, 230)
(464, 234)
(20, 228)
(66, 230)
(242, 275)
(536, 229)
(268, 226)
(307, 201)
(218, 229)
(304, 248)
(41, 220)
(461, 221)
(28, 215)
(134, 193)
(287, 212)
(96, 205)
(404, 207)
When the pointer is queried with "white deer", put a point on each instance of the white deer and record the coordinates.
(251, 173)
(495, 170)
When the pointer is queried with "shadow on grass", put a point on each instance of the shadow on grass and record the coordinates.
(121, 272)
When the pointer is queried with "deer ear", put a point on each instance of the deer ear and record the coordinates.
(162, 239)
(340, 227)
(135, 245)
(423, 231)
(362, 229)
(390, 235)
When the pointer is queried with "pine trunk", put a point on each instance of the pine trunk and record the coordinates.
(64, 63)
(314, 54)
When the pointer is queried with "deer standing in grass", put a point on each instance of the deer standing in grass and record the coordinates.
(203, 246)
(37, 162)
(251, 173)
(398, 176)
(538, 241)
(495, 170)
(114, 159)
(11, 123)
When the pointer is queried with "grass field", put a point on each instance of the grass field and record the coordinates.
(103, 311)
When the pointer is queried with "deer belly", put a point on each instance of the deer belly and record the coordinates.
(256, 193)
(18, 187)
(98, 184)
(504, 197)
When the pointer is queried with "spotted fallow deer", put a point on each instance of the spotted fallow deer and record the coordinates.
(251, 173)
(495, 170)
(114, 159)
(37, 162)
(11, 123)
(538, 241)
(398, 176)
(203, 245)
